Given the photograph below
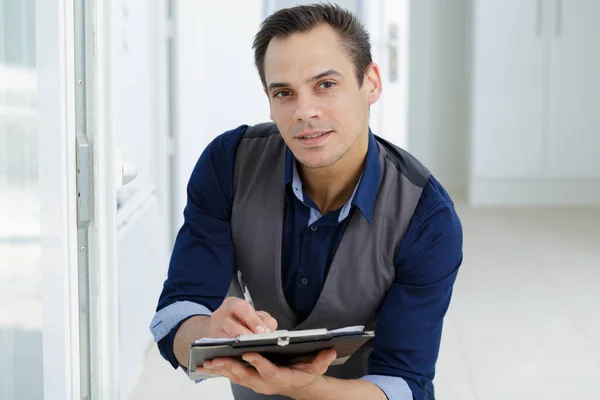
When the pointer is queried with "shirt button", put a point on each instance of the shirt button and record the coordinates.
(314, 228)
(304, 281)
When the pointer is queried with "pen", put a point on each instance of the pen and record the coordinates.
(245, 290)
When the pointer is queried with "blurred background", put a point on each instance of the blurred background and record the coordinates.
(499, 99)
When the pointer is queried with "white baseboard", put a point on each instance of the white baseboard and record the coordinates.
(534, 192)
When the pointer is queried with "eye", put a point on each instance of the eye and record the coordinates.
(326, 85)
(282, 93)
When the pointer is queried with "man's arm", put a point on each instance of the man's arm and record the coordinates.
(201, 265)
(328, 388)
(188, 332)
(409, 325)
(298, 381)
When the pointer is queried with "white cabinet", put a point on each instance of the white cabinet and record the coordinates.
(535, 105)
(573, 131)
(508, 84)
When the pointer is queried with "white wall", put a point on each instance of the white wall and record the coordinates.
(439, 88)
(213, 96)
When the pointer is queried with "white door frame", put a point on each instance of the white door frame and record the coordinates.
(57, 85)
(58, 195)
(104, 322)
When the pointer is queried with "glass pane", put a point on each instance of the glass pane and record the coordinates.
(20, 276)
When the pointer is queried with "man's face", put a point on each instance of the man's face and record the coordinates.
(315, 98)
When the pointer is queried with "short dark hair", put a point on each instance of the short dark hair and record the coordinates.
(287, 21)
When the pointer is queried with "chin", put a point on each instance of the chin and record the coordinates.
(319, 157)
(317, 162)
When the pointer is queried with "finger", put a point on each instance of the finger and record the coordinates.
(265, 368)
(248, 375)
(247, 316)
(211, 371)
(227, 374)
(221, 367)
(235, 371)
(319, 364)
(233, 327)
(268, 320)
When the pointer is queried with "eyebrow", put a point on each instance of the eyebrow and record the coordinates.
(331, 72)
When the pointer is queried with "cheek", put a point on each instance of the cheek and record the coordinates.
(281, 112)
(349, 111)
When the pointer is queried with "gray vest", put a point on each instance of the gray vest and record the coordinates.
(362, 270)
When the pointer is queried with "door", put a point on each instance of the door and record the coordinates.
(573, 142)
(509, 53)
(388, 23)
(137, 96)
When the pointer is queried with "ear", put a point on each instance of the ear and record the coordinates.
(373, 83)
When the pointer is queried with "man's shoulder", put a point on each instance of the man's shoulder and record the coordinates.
(229, 141)
(262, 130)
(433, 194)
(405, 163)
(224, 147)
(260, 143)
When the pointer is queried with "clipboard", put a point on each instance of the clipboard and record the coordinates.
(282, 347)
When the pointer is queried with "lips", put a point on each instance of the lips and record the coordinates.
(312, 134)
(313, 138)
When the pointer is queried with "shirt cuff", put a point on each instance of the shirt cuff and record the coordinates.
(169, 317)
(394, 387)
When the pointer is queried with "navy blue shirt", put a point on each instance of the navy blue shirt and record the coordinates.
(409, 325)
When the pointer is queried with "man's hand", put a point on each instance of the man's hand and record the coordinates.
(234, 317)
(237, 317)
(267, 378)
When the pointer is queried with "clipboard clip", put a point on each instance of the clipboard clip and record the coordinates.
(283, 341)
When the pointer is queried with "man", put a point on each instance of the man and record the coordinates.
(330, 226)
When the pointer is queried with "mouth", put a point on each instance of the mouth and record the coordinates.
(313, 138)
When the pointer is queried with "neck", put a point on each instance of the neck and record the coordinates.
(331, 187)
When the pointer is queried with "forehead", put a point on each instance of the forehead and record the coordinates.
(304, 54)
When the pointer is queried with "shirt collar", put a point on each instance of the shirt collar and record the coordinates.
(365, 192)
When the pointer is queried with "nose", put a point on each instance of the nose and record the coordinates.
(306, 109)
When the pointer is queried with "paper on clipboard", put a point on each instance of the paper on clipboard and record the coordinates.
(276, 334)
(209, 341)
(348, 329)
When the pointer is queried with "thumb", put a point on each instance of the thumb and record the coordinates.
(327, 356)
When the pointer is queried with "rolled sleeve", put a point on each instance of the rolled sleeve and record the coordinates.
(395, 388)
(166, 319)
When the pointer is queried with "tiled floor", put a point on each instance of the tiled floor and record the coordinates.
(524, 322)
